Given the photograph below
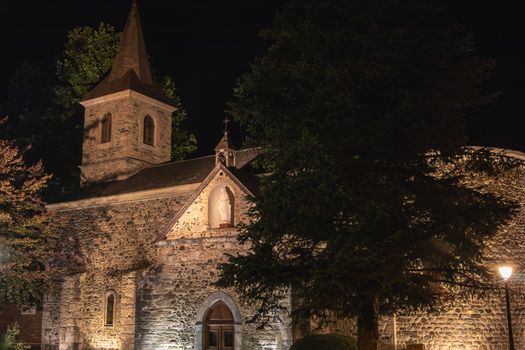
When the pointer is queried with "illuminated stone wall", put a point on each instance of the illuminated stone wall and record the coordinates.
(103, 248)
(160, 287)
(173, 292)
(126, 153)
(480, 323)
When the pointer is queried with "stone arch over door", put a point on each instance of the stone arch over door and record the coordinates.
(203, 311)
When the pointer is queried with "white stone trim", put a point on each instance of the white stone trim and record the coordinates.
(201, 318)
(124, 198)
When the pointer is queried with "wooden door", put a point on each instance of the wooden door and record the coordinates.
(219, 337)
(219, 332)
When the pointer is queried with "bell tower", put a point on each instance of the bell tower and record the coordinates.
(127, 118)
(225, 151)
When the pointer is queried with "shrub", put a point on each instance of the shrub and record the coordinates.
(325, 342)
(8, 340)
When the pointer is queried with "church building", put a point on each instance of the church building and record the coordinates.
(144, 239)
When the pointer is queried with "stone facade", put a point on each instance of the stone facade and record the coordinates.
(160, 258)
(480, 323)
(126, 153)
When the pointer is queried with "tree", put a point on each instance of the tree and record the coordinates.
(24, 238)
(53, 126)
(28, 98)
(359, 107)
(8, 340)
(182, 142)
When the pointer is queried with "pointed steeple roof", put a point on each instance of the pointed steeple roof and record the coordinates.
(132, 50)
(131, 69)
(224, 143)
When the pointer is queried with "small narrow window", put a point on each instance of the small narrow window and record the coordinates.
(105, 136)
(149, 131)
(109, 312)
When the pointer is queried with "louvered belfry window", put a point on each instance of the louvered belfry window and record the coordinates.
(149, 131)
(105, 135)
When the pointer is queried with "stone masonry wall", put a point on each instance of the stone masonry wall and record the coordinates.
(172, 293)
(126, 146)
(480, 323)
(104, 247)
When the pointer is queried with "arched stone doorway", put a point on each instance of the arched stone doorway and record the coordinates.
(219, 324)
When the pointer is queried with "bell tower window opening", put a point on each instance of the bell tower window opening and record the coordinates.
(105, 129)
(109, 308)
(149, 131)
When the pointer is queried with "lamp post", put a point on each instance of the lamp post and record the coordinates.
(506, 272)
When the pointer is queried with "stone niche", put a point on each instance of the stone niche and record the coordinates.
(221, 203)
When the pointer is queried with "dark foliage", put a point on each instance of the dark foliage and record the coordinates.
(360, 108)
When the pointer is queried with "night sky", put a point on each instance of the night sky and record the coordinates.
(206, 45)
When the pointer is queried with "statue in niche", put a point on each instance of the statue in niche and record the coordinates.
(224, 208)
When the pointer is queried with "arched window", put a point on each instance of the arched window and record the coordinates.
(218, 328)
(221, 207)
(149, 131)
(109, 308)
(105, 128)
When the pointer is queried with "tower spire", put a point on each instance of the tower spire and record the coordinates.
(131, 69)
(132, 52)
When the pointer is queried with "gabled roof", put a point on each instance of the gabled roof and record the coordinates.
(154, 177)
(171, 174)
(243, 185)
(131, 69)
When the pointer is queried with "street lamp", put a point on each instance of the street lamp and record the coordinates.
(506, 272)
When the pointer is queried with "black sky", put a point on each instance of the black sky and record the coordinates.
(206, 45)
